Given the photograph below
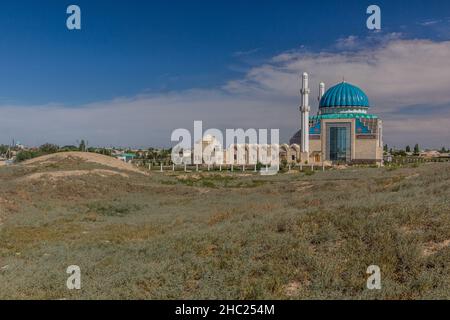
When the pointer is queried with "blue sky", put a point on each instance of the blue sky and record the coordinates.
(127, 50)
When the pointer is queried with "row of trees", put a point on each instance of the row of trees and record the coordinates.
(49, 148)
(154, 154)
(149, 155)
(415, 150)
(407, 149)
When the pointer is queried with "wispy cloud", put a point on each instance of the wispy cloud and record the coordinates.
(438, 28)
(246, 52)
(407, 82)
(373, 40)
(430, 22)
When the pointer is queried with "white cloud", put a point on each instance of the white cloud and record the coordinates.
(350, 42)
(245, 52)
(146, 120)
(430, 22)
(401, 73)
(395, 74)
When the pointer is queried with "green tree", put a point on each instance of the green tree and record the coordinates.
(151, 154)
(49, 148)
(408, 149)
(3, 149)
(416, 149)
(104, 151)
(69, 148)
(27, 154)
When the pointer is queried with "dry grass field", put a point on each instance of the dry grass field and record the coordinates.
(231, 235)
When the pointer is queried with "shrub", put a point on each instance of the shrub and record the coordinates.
(27, 154)
(48, 148)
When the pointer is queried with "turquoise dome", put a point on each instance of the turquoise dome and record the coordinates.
(344, 95)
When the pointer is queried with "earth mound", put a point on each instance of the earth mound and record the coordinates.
(79, 157)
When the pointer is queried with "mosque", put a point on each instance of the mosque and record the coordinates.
(342, 131)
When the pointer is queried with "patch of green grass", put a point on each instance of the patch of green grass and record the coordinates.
(249, 184)
(220, 181)
(168, 182)
(208, 184)
(114, 208)
(207, 180)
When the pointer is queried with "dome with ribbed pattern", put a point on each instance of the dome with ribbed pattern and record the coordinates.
(344, 95)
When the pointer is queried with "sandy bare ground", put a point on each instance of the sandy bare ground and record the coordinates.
(433, 247)
(71, 173)
(84, 156)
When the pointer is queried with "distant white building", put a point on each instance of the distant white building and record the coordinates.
(125, 157)
(430, 154)
(19, 145)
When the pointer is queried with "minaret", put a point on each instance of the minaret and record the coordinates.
(321, 93)
(321, 90)
(304, 111)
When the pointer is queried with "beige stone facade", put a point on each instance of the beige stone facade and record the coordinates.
(364, 148)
